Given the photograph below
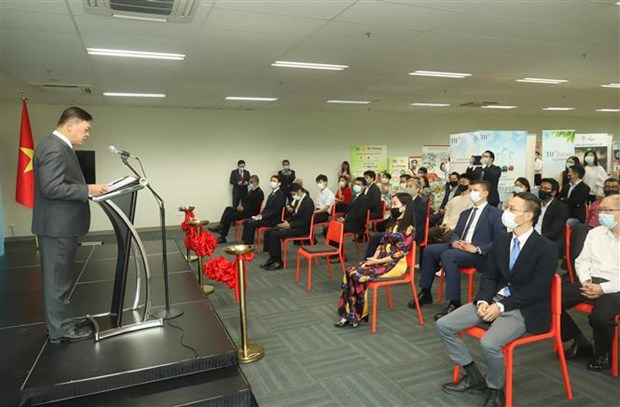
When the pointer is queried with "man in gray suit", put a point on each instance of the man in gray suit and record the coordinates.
(60, 215)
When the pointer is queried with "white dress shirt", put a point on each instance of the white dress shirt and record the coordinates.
(543, 209)
(472, 228)
(572, 186)
(63, 138)
(600, 257)
(454, 208)
(325, 198)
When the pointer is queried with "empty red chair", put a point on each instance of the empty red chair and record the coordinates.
(469, 272)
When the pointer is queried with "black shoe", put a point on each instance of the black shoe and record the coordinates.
(451, 307)
(424, 297)
(215, 229)
(495, 398)
(75, 334)
(577, 351)
(268, 263)
(276, 265)
(465, 384)
(599, 363)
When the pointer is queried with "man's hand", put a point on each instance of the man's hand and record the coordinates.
(240, 182)
(97, 189)
(458, 244)
(290, 209)
(591, 291)
(240, 208)
(490, 314)
(482, 308)
(340, 219)
(257, 217)
(284, 225)
(468, 247)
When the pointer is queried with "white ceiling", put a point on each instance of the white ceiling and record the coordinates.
(230, 45)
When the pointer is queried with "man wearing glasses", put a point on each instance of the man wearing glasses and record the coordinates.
(598, 269)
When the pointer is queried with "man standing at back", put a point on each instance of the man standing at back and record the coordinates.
(490, 174)
(239, 179)
(60, 215)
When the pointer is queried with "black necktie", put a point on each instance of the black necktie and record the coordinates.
(469, 222)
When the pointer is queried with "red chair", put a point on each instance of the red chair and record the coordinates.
(261, 231)
(332, 216)
(286, 240)
(469, 272)
(427, 222)
(587, 308)
(366, 233)
(567, 251)
(334, 235)
(553, 333)
(373, 222)
(407, 278)
(586, 207)
(239, 225)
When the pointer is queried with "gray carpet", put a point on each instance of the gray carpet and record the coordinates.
(309, 362)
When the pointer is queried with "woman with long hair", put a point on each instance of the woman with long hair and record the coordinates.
(595, 176)
(521, 184)
(570, 161)
(345, 170)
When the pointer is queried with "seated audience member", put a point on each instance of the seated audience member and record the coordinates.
(575, 195)
(389, 260)
(570, 162)
(354, 218)
(249, 206)
(239, 179)
(451, 190)
(287, 176)
(374, 195)
(469, 245)
(296, 224)
(610, 187)
(269, 216)
(598, 272)
(402, 183)
(521, 184)
(554, 214)
(325, 199)
(343, 195)
(420, 204)
(453, 210)
(514, 298)
(426, 185)
(386, 189)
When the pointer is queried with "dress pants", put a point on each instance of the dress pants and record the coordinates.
(451, 259)
(601, 319)
(238, 193)
(321, 217)
(373, 243)
(228, 217)
(273, 237)
(250, 226)
(507, 327)
(57, 258)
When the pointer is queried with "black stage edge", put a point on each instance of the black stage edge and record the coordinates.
(191, 360)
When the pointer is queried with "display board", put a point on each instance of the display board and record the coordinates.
(396, 167)
(598, 142)
(557, 146)
(368, 157)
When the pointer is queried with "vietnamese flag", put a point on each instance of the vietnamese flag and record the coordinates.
(24, 191)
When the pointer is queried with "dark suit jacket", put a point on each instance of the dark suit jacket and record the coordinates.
(577, 200)
(355, 215)
(374, 201)
(446, 196)
(488, 228)
(530, 280)
(301, 219)
(252, 202)
(60, 191)
(420, 205)
(554, 223)
(274, 205)
(287, 180)
(235, 177)
(492, 173)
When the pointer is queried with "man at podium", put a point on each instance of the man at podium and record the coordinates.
(60, 215)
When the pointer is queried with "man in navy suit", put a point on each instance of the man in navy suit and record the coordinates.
(575, 195)
(270, 215)
(514, 298)
(469, 245)
(239, 179)
(489, 173)
(373, 192)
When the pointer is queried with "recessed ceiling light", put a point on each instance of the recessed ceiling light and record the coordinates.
(559, 109)
(498, 107)
(309, 65)
(608, 110)
(135, 95)
(611, 85)
(431, 104)
(439, 74)
(130, 17)
(349, 102)
(542, 80)
(134, 54)
(251, 98)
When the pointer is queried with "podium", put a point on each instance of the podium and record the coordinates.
(119, 204)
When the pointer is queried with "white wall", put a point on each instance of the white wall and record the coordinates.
(188, 153)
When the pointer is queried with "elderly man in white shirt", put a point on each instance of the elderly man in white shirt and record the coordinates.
(598, 269)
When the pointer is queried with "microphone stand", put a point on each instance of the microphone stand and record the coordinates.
(168, 312)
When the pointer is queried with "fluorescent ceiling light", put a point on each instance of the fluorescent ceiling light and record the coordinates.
(431, 104)
(135, 95)
(559, 109)
(134, 54)
(130, 17)
(349, 102)
(611, 85)
(498, 107)
(542, 80)
(439, 74)
(608, 110)
(251, 99)
(309, 65)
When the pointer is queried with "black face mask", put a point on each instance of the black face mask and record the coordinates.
(454, 183)
(395, 213)
(542, 194)
(463, 188)
(609, 192)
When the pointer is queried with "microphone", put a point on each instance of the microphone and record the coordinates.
(122, 153)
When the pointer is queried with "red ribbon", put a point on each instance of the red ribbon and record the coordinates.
(223, 270)
(201, 242)
(189, 215)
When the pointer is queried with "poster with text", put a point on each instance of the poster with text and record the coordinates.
(597, 142)
(436, 159)
(557, 146)
(615, 170)
(396, 167)
(365, 157)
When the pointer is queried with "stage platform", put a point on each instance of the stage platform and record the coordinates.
(191, 360)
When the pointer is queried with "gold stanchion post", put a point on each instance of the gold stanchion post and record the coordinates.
(206, 288)
(190, 258)
(246, 352)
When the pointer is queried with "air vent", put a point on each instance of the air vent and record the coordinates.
(174, 11)
(62, 88)
(478, 104)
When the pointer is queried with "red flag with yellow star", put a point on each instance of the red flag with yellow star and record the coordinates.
(24, 192)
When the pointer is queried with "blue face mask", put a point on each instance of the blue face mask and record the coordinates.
(273, 185)
(357, 189)
(286, 167)
(608, 220)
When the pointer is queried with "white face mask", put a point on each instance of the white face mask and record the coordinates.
(357, 189)
(251, 186)
(384, 181)
(518, 189)
(403, 185)
(342, 184)
(321, 186)
(475, 196)
(508, 219)
(589, 159)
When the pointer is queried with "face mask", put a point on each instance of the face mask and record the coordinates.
(295, 198)
(542, 194)
(411, 191)
(251, 186)
(342, 184)
(395, 213)
(589, 159)
(610, 191)
(357, 189)
(463, 188)
(569, 164)
(286, 167)
(273, 185)
(454, 183)
(474, 196)
(508, 219)
(518, 189)
(384, 181)
(241, 168)
(608, 220)
(403, 185)
(321, 186)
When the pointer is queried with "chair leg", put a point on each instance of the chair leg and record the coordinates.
(389, 297)
(614, 352)
(342, 262)
(329, 266)
(417, 304)
(567, 387)
(456, 373)
(259, 247)
(373, 325)
(284, 252)
(470, 288)
(508, 357)
(297, 267)
(440, 294)
(309, 287)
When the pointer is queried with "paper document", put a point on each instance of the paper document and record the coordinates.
(120, 183)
